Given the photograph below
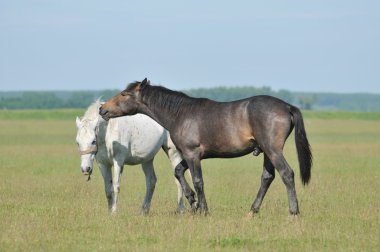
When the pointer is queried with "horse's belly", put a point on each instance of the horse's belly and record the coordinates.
(226, 154)
(229, 151)
(138, 155)
(134, 161)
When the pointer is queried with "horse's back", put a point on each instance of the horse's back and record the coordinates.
(266, 111)
(266, 103)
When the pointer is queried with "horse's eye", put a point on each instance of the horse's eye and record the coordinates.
(93, 142)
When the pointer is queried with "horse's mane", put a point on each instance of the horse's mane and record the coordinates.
(92, 112)
(132, 86)
(173, 101)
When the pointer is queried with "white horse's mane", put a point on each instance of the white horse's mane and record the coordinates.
(92, 112)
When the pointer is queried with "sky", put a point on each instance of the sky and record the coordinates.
(313, 46)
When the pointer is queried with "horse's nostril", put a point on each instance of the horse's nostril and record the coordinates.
(85, 169)
(102, 111)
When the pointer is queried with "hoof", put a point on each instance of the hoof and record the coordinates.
(249, 215)
(201, 212)
(294, 219)
(205, 213)
(197, 209)
(179, 211)
(144, 211)
(194, 207)
(294, 213)
(252, 213)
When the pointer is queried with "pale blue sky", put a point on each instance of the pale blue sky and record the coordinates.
(323, 45)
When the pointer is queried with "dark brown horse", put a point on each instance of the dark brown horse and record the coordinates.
(202, 128)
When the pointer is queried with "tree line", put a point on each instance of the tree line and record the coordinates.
(82, 99)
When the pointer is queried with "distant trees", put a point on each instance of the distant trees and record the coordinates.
(36, 100)
(82, 99)
(306, 101)
(51, 100)
(235, 93)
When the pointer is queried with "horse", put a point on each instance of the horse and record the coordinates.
(124, 141)
(202, 128)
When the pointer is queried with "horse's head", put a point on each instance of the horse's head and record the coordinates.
(125, 103)
(86, 140)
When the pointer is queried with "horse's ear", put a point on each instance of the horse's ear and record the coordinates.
(78, 122)
(144, 83)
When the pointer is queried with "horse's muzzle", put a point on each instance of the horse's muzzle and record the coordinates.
(103, 113)
(86, 171)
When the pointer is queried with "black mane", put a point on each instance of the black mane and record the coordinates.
(132, 86)
(172, 101)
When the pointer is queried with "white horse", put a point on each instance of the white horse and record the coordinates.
(127, 140)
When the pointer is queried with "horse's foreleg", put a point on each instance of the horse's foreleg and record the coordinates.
(180, 196)
(266, 179)
(179, 173)
(180, 166)
(107, 177)
(196, 174)
(151, 179)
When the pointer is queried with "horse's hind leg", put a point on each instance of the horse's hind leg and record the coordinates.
(287, 176)
(266, 179)
(150, 179)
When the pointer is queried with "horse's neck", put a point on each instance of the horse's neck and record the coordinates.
(161, 116)
(101, 131)
(163, 113)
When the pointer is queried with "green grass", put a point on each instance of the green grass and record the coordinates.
(345, 115)
(40, 114)
(47, 205)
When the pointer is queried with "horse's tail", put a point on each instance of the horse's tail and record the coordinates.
(305, 158)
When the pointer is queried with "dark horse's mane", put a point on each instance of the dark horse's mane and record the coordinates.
(132, 86)
(159, 96)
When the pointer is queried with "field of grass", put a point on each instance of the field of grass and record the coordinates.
(47, 205)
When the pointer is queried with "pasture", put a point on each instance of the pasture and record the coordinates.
(47, 205)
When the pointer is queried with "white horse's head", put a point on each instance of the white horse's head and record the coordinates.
(87, 136)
